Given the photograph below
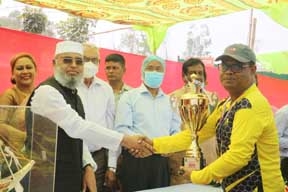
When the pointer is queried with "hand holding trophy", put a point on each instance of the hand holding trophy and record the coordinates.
(193, 107)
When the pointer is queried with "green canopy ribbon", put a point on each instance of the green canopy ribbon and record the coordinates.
(278, 12)
(275, 62)
(155, 35)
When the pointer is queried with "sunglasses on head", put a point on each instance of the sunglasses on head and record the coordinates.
(69, 60)
(235, 68)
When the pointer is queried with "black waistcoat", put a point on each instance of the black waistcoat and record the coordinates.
(68, 176)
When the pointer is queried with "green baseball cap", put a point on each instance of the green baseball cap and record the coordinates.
(240, 52)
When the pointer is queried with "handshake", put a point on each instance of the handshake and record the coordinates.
(139, 146)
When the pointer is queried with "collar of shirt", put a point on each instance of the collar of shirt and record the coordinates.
(143, 90)
(125, 88)
(95, 82)
(248, 91)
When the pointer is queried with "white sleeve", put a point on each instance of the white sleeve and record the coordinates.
(113, 157)
(110, 118)
(110, 110)
(87, 157)
(48, 102)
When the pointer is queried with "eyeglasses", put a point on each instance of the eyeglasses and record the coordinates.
(69, 60)
(235, 68)
(94, 60)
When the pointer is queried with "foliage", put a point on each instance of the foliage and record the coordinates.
(12, 21)
(74, 29)
(134, 42)
(34, 20)
(50, 26)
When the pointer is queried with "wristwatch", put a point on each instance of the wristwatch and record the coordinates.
(113, 169)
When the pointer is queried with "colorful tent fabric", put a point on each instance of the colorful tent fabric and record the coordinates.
(155, 16)
(151, 12)
(276, 62)
(279, 12)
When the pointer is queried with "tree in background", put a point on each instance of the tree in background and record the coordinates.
(134, 41)
(74, 29)
(34, 20)
(50, 29)
(198, 41)
(12, 21)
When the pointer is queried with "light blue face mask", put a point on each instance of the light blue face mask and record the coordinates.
(153, 79)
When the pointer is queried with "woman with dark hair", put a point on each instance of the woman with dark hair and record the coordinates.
(23, 70)
(12, 118)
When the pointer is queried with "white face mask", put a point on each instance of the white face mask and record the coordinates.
(90, 69)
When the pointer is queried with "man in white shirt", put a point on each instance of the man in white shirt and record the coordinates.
(99, 106)
(57, 100)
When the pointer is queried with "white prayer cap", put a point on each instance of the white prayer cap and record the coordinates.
(68, 47)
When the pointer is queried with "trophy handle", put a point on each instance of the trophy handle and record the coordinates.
(201, 155)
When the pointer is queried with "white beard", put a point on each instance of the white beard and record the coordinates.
(68, 81)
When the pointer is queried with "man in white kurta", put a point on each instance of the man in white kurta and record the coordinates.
(49, 102)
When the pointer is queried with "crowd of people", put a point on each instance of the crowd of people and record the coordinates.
(112, 137)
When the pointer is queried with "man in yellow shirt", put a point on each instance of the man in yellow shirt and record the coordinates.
(244, 126)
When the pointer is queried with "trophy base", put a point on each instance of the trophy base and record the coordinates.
(192, 163)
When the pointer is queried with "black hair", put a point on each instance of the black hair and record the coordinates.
(18, 56)
(114, 57)
(192, 62)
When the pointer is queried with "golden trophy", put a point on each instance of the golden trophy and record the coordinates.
(193, 107)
